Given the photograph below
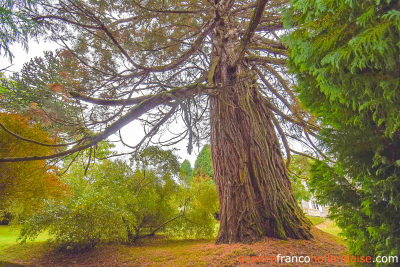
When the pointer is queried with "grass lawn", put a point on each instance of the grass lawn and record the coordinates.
(8, 235)
(316, 220)
(328, 226)
(10, 250)
(159, 251)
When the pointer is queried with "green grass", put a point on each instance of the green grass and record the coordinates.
(325, 225)
(332, 228)
(316, 220)
(10, 249)
(8, 235)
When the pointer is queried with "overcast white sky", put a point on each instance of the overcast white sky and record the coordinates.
(132, 133)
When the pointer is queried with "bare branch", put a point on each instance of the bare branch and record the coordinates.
(39, 19)
(36, 142)
(153, 130)
(169, 11)
(315, 147)
(282, 81)
(302, 154)
(284, 140)
(89, 160)
(271, 88)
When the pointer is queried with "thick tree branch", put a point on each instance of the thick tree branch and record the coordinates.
(269, 60)
(255, 20)
(133, 114)
(109, 102)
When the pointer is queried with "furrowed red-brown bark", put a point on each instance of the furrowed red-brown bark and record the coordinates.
(255, 193)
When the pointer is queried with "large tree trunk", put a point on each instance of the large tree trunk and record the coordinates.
(255, 193)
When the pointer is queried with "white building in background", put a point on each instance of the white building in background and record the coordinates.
(312, 208)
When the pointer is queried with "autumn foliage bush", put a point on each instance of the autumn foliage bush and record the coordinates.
(24, 185)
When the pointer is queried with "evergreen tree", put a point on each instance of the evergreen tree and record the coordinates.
(48, 103)
(345, 55)
(204, 162)
(338, 46)
(15, 24)
(186, 172)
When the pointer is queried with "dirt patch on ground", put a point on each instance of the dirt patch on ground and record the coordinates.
(160, 252)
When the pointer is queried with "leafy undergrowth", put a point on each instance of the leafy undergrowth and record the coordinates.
(162, 252)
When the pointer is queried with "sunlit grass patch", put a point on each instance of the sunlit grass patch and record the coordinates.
(332, 228)
(10, 249)
(316, 220)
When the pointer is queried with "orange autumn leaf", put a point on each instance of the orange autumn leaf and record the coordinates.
(63, 74)
(66, 54)
(55, 87)
(33, 105)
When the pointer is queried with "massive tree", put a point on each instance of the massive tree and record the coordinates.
(197, 61)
